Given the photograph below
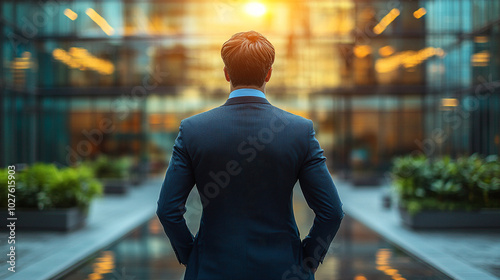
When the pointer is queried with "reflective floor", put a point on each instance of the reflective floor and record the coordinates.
(357, 253)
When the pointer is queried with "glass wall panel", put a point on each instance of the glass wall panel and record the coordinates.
(379, 78)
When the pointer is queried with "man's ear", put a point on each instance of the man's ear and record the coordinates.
(268, 76)
(226, 74)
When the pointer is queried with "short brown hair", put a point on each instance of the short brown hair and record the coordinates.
(248, 56)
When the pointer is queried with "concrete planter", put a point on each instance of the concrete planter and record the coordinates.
(64, 219)
(115, 186)
(485, 218)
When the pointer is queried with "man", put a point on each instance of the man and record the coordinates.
(245, 158)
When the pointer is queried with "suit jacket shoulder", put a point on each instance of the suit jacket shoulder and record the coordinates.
(217, 113)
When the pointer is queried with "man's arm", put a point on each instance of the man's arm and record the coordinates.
(179, 180)
(322, 197)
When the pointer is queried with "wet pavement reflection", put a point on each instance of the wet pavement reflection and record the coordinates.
(357, 253)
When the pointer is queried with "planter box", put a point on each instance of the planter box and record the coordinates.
(487, 218)
(115, 186)
(65, 219)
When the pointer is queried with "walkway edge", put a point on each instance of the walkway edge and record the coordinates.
(411, 242)
(101, 236)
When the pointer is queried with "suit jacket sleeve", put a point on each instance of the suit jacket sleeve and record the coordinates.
(179, 180)
(322, 197)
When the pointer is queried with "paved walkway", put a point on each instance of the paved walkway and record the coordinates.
(42, 255)
(461, 254)
(464, 254)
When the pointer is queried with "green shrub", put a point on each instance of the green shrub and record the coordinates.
(44, 186)
(32, 184)
(105, 167)
(467, 183)
(75, 186)
(4, 186)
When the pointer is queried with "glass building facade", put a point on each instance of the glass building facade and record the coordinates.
(379, 78)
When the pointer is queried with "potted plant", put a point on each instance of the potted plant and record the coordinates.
(113, 173)
(50, 198)
(447, 193)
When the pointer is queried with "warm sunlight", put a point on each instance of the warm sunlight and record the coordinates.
(255, 9)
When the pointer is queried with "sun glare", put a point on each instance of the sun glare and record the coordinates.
(255, 9)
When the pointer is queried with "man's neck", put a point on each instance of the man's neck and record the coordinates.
(262, 88)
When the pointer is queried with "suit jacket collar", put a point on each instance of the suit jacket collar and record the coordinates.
(246, 99)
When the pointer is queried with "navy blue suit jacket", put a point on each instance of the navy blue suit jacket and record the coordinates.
(244, 158)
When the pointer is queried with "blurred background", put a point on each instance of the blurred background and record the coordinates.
(96, 91)
(379, 78)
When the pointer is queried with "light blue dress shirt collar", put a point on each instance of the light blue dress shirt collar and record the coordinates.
(247, 92)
